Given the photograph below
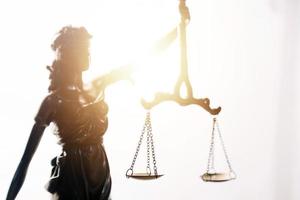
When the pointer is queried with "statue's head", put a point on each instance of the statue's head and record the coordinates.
(72, 48)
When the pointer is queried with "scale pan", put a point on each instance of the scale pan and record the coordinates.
(218, 177)
(144, 176)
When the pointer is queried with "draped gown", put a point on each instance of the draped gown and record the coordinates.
(81, 172)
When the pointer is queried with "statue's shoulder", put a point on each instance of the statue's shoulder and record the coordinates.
(47, 109)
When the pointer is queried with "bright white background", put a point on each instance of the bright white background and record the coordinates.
(244, 55)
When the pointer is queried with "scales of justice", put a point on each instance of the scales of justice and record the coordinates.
(211, 175)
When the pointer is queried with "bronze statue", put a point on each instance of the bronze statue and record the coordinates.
(79, 112)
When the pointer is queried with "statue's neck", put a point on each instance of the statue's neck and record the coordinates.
(72, 81)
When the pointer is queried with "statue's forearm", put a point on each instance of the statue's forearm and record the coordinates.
(21, 171)
(119, 74)
(163, 43)
(17, 181)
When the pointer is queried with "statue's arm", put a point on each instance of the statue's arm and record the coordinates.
(97, 86)
(164, 42)
(19, 177)
(42, 119)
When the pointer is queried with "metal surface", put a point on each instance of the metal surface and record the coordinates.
(144, 176)
(148, 175)
(223, 146)
(183, 79)
(211, 175)
(218, 177)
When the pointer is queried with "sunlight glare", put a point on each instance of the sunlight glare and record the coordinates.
(116, 44)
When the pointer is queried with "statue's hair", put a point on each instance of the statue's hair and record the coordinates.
(68, 37)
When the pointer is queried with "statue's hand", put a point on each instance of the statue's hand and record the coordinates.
(184, 12)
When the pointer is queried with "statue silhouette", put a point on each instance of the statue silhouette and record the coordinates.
(79, 111)
(80, 114)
